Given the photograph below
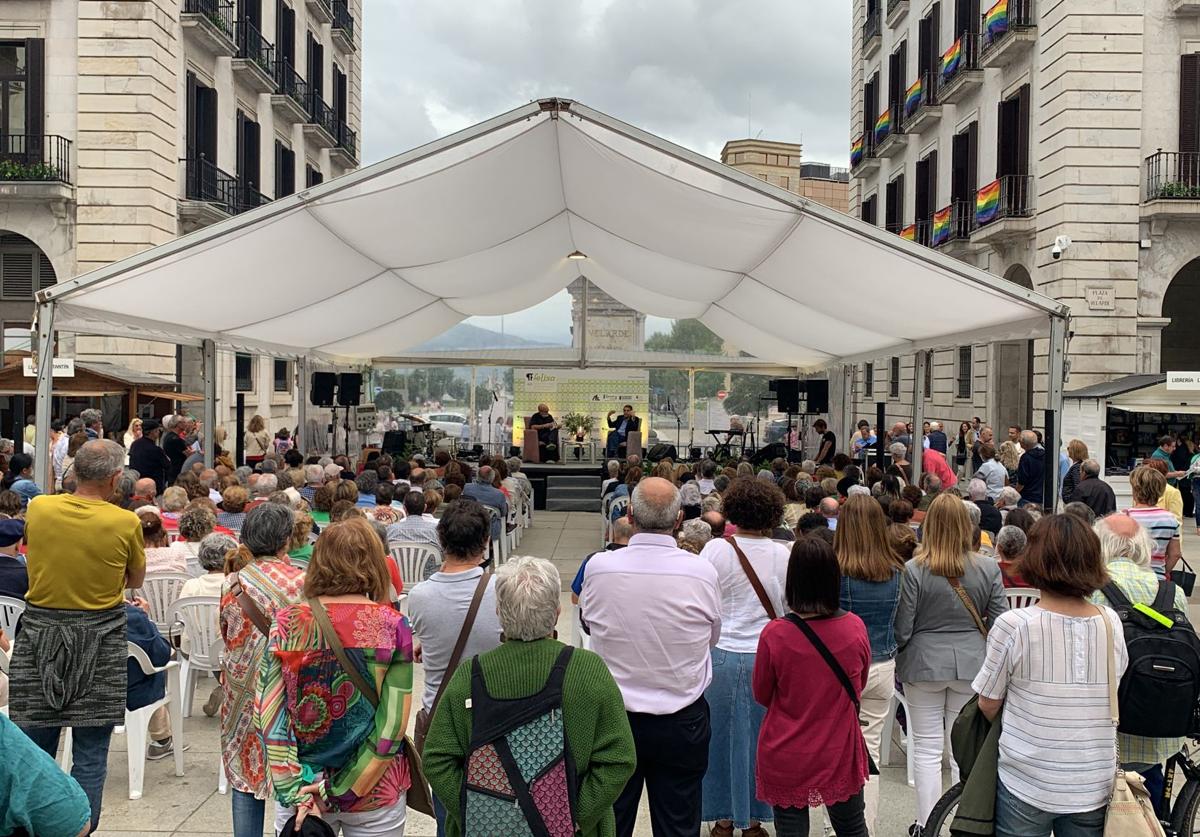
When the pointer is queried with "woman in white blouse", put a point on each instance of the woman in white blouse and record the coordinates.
(1046, 670)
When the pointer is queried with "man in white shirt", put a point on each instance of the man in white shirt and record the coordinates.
(708, 472)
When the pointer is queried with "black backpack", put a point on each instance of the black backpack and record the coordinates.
(1159, 691)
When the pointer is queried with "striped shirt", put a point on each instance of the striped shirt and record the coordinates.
(1163, 528)
(1058, 745)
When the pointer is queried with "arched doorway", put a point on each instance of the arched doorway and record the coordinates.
(24, 270)
(1181, 338)
(1018, 275)
(1012, 372)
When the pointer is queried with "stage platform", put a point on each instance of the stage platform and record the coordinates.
(565, 486)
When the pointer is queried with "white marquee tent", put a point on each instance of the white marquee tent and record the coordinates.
(365, 267)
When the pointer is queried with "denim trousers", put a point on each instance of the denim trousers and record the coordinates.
(846, 818)
(248, 813)
(89, 755)
(1016, 818)
(729, 786)
(1196, 499)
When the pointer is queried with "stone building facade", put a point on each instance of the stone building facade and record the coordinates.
(144, 120)
(992, 137)
(779, 164)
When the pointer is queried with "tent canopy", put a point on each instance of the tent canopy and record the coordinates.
(368, 265)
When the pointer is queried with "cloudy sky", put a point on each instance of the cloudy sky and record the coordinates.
(691, 71)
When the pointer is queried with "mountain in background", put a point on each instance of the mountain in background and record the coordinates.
(464, 336)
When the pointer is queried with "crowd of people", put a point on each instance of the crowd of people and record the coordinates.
(746, 632)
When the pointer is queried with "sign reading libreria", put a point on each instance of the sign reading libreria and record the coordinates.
(590, 391)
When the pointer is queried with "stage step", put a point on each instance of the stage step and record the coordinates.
(555, 481)
(553, 504)
(572, 493)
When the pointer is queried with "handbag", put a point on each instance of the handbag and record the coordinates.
(1185, 578)
(251, 610)
(839, 672)
(969, 605)
(748, 569)
(419, 797)
(1130, 811)
(424, 719)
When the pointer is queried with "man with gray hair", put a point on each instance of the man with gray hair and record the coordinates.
(93, 423)
(654, 612)
(1030, 470)
(314, 478)
(1010, 546)
(829, 510)
(990, 519)
(482, 491)
(613, 469)
(265, 485)
(1094, 492)
(84, 552)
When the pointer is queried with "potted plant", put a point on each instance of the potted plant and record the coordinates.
(574, 422)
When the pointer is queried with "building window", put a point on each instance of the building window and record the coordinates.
(282, 375)
(285, 170)
(894, 379)
(243, 372)
(868, 380)
(22, 97)
(928, 375)
(868, 209)
(965, 371)
(785, 182)
(17, 337)
(312, 176)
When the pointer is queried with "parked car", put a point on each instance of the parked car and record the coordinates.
(453, 425)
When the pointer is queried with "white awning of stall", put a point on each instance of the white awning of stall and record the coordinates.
(369, 265)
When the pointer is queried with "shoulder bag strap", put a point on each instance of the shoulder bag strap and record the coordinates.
(969, 605)
(461, 643)
(748, 569)
(1112, 672)
(826, 654)
(1165, 600)
(329, 635)
(249, 607)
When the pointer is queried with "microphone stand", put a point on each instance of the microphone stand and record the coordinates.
(678, 424)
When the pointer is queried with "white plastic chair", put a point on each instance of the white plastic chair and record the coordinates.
(200, 617)
(10, 611)
(161, 590)
(885, 747)
(1019, 597)
(4, 671)
(410, 558)
(137, 724)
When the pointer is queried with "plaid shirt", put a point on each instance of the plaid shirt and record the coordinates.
(1141, 586)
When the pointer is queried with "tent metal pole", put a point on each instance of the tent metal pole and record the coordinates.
(302, 404)
(209, 349)
(918, 435)
(42, 474)
(1056, 379)
(691, 408)
(583, 324)
(474, 413)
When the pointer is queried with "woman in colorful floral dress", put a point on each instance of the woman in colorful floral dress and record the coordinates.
(333, 750)
(260, 566)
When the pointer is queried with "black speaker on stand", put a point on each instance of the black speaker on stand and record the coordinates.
(787, 395)
(349, 389)
(320, 390)
(818, 396)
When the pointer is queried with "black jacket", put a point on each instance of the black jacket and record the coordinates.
(990, 519)
(632, 426)
(1097, 495)
(175, 447)
(149, 460)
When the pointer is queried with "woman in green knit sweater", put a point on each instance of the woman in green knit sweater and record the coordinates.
(593, 720)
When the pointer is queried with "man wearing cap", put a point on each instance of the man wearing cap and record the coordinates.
(147, 458)
(14, 578)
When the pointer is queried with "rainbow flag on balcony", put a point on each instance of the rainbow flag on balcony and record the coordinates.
(951, 60)
(987, 203)
(856, 152)
(912, 97)
(995, 22)
(941, 227)
(909, 233)
(883, 125)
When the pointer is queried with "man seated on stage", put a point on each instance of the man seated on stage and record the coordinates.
(547, 432)
(619, 430)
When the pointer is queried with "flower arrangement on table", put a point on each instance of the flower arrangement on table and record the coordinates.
(573, 423)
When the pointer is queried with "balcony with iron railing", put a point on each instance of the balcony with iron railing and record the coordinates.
(863, 159)
(322, 121)
(255, 61)
(922, 107)
(209, 194)
(959, 218)
(248, 197)
(1009, 31)
(892, 140)
(960, 70)
(345, 153)
(872, 33)
(342, 31)
(1004, 210)
(209, 23)
(896, 10)
(291, 95)
(320, 11)
(35, 167)
(1172, 185)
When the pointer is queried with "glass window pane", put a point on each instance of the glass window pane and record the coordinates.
(14, 109)
(283, 378)
(12, 59)
(243, 373)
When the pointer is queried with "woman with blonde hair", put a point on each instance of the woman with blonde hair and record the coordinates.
(666, 470)
(870, 589)
(333, 723)
(257, 441)
(132, 435)
(1010, 456)
(1077, 451)
(948, 595)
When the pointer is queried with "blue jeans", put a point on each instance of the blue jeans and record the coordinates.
(89, 754)
(612, 444)
(439, 814)
(1196, 500)
(729, 791)
(248, 814)
(1015, 818)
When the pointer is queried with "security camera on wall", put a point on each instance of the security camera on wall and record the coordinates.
(1061, 243)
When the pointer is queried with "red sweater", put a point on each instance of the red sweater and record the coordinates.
(810, 748)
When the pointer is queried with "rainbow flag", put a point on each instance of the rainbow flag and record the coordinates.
(951, 60)
(883, 125)
(856, 152)
(987, 203)
(912, 98)
(909, 233)
(941, 227)
(995, 22)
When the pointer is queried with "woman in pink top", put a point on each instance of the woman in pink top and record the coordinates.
(811, 749)
(161, 557)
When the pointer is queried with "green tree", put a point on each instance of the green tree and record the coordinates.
(745, 392)
(389, 399)
(692, 337)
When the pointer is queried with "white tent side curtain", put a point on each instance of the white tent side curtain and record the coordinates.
(381, 260)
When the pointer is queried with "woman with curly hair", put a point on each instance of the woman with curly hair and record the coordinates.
(755, 507)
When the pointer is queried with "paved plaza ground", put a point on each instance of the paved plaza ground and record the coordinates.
(190, 805)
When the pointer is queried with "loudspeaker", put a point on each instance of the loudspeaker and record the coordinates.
(787, 395)
(818, 397)
(695, 454)
(349, 389)
(662, 451)
(394, 442)
(320, 390)
(765, 455)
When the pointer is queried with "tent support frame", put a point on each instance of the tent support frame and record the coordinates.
(210, 402)
(302, 380)
(918, 434)
(42, 473)
(1055, 382)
